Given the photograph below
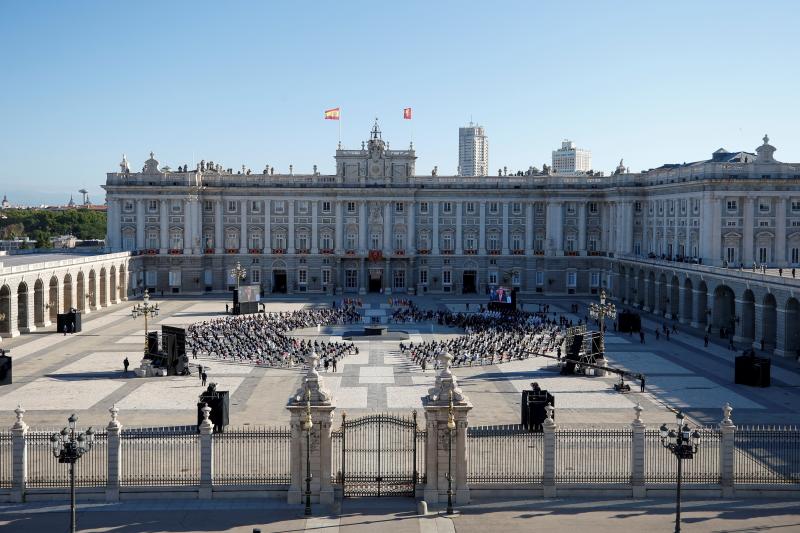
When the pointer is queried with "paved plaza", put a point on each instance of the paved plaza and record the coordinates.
(55, 375)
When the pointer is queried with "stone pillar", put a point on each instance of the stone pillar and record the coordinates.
(699, 311)
(268, 227)
(435, 236)
(716, 234)
(682, 311)
(13, 310)
(738, 337)
(505, 236)
(726, 451)
(139, 224)
(314, 236)
(219, 237)
(582, 228)
(759, 323)
(706, 233)
(312, 400)
(411, 238)
(19, 457)
(446, 404)
(780, 233)
(114, 445)
(387, 229)
(163, 221)
(747, 232)
(482, 230)
(188, 231)
(529, 240)
(459, 227)
(645, 249)
(549, 460)
(637, 453)
(781, 333)
(339, 228)
(363, 245)
(206, 454)
(646, 296)
(290, 229)
(243, 244)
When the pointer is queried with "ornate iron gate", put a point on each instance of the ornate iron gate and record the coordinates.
(379, 455)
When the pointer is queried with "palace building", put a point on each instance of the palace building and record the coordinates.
(649, 238)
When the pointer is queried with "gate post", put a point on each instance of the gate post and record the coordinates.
(19, 457)
(113, 431)
(444, 398)
(549, 460)
(311, 399)
(727, 451)
(637, 454)
(206, 454)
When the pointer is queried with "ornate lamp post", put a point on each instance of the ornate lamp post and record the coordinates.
(307, 425)
(683, 443)
(451, 425)
(145, 309)
(600, 312)
(238, 272)
(68, 448)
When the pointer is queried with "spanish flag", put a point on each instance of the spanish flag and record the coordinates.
(407, 113)
(332, 114)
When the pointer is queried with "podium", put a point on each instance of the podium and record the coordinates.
(532, 407)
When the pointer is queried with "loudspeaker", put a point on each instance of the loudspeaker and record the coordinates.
(152, 342)
(72, 321)
(575, 349)
(5, 370)
(179, 334)
(219, 404)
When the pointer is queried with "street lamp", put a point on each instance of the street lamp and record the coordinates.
(68, 448)
(238, 272)
(683, 443)
(451, 425)
(307, 425)
(600, 312)
(145, 309)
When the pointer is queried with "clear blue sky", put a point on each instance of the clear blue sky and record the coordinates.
(247, 82)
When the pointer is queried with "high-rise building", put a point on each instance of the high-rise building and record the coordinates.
(570, 159)
(473, 151)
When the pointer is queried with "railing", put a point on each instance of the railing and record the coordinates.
(766, 454)
(504, 454)
(252, 456)
(422, 475)
(6, 462)
(593, 455)
(660, 465)
(168, 458)
(44, 470)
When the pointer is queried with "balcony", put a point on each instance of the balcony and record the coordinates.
(301, 251)
(254, 250)
(231, 250)
(400, 252)
(538, 252)
(151, 251)
(447, 252)
(571, 253)
(279, 251)
(470, 251)
(326, 251)
(494, 252)
(518, 252)
(423, 251)
(375, 255)
(208, 251)
(172, 251)
(349, 252)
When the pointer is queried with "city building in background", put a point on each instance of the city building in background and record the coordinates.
(571, 160)
(473, 151)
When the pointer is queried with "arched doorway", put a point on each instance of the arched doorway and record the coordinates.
(92, 290)
(23, 320)
(688, 302)
(81, 293)
(747, 321)
(724, 310)
(792, 331)
(52, 299)
(674, 297)
(68, 304)
(469, 278)
(103, 287)
(769, 322)
(112, 276)
(5, 311)
(38, 303)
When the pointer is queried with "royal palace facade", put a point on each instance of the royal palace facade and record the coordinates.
(377, 226)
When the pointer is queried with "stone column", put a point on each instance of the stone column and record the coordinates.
(482, 230)
(206, 454)
(114, 445)
(629, 216)
(706, 234)
(387, 229)
(219, 237)
(314, 236)
(682, 311)
(290, 243)
(747, 232)
(314, 400)
(726, 451)
(759, 323)
(716, 235)
(549, 452)
(163, 220)
(19, 457)
(646, 296)
(781, 333)
(139, 224)
(738, 337)
(339, 228)
(362, 227)
(459, 228)
(411, 238)
(504, 238)
(243, 244)
(13, 309)
(637, 453)
(582, 228)
(699, 311)
(268, 227)
(529, 240)
(188, 232)
(435, 236)
(645, 228)
(780, 233)
(446, 400)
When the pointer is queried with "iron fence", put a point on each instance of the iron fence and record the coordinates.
(44, 470)
(6, 460)
(766, 454)
(593, 455)
(160, 458)
(504, 454)
(422, 438)
(660, 465)
(252, 456)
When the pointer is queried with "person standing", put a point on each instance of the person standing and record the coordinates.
(334, 364)
(641, 389)
(203, 378)
(705, 340)
(641, 336)
(126, 364)
(200, 373)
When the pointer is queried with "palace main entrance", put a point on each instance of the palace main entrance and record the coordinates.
(378, 455)
(375, 279)
(279, 281)
(468, 283)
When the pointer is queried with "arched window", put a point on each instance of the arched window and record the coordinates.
(327, 241)
(279, 241)
(447, 241)
(302, 240)
(152, 238)
(471, 242)
(494, 241)
(128, 239)
(424, 241)
(208, 238)
(352, 238)
(516, 241)
(399, 241)
(176, 239)
(375, 241)
(231, 238)
(255, 240)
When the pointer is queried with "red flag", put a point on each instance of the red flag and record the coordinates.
(407, 113)
(332, 114)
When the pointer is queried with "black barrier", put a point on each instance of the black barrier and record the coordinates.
(219, 402)
(5, 369)
(533, 408)
(752, 370)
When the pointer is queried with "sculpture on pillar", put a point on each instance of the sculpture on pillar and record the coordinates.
(446, 383)
(313, 383)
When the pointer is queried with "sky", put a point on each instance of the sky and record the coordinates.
(240, 82)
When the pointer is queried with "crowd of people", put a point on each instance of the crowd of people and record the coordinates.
(491, 337)
(263, 339)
